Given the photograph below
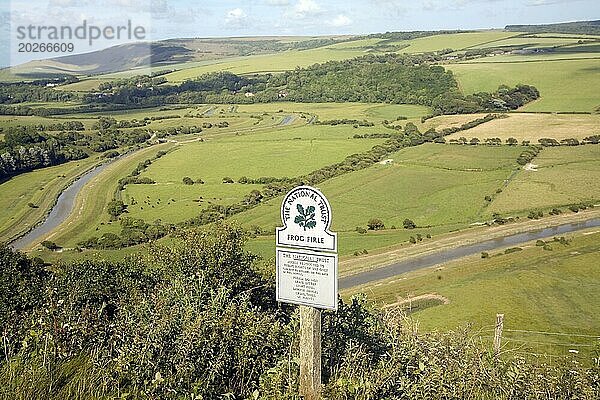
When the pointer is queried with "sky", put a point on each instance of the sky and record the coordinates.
(164, 19)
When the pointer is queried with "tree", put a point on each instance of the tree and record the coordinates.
(511, 141)
(50, 245)
(116, 208)
(187, 180)
(375, 224)
(409, 224)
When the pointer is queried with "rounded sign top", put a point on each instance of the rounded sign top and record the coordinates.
(306, 216)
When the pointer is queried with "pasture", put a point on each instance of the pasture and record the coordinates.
(276, 153)
(458, 178)
(536, 290)
(563, 176)
(564, 85)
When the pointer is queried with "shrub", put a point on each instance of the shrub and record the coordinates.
(375, 224)
(408, 224)
(187, 180)
(361, 230)
(50, 245)
(485, 254)
(227, 180)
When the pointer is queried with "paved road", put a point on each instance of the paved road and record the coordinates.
(461, 251)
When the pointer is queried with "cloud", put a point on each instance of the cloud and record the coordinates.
(278, 3)
(236, 17)
(339, 21)
(306, 8)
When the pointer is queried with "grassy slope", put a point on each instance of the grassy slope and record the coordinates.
(538, 290)
(457, 179)
(565, 175)
(278, 153)
(571, 85)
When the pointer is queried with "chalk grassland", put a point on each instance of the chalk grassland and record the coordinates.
(537, 42)
(41, 188)
(536, 290)
(457, 177)
(279, 62)
(524, 126)
(564, 176)
(278, 153)
(289, 60)
(572, 85)
(457, 41)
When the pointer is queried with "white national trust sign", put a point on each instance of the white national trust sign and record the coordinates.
(306, 216)
(306, 257)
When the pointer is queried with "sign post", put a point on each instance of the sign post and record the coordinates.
(307, 269)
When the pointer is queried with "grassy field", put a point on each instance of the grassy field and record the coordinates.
(283, 61)
(524, 126)
(571, 85)
(280, 153)
(536, 42)
(40, 188)
(456, 41)
(537, 290)
(458, 178)
(564, 176)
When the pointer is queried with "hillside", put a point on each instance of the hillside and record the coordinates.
(579, 27)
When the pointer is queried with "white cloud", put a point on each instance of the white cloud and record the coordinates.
(278, 3)
(236, 17)
(306, 8)
(340, 20)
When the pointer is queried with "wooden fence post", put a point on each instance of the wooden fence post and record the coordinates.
(310, 353)
(498, 334)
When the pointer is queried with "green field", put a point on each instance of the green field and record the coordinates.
(564, 176)
(279, 62)
(537, 290)
(278, 153)
(572, 85)
(456, 41)
(458, 178)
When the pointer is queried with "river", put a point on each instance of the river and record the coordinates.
(461, 251)
(62, 209)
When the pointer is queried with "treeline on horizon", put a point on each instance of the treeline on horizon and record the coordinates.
(578, 27)
(389, 78)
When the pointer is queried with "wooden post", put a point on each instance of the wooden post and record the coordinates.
(498, 333)
(310, 353)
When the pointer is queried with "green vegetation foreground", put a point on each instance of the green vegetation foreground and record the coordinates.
(198, 320)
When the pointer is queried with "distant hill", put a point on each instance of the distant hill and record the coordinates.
(167, 52)
(580, 27)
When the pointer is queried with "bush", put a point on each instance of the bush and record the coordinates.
(375, 224)
(227, 180)
(50, 245)
(485, 254)
(116, 208)
(409, 224)
(361, 230)
(187, 180)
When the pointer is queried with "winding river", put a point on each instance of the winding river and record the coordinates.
(62, 209)
(446, 255)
